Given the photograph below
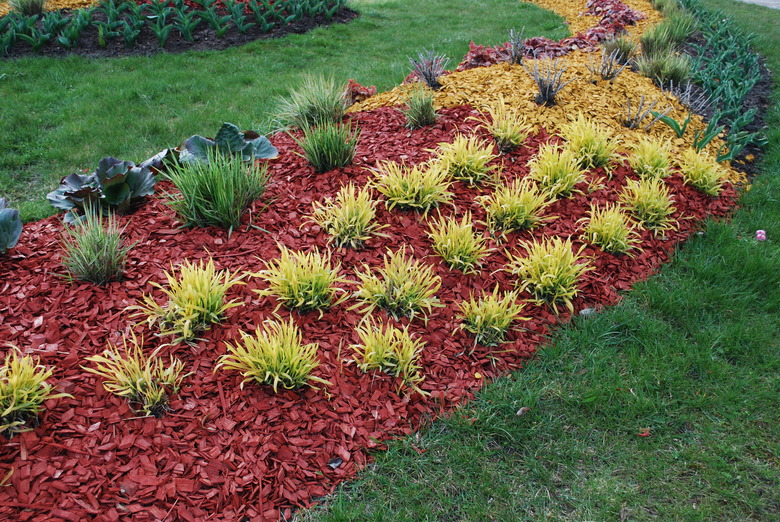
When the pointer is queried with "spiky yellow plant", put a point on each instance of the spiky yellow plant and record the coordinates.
(421, 187)
(701, 171)
(506, 124)
(516, 206)
(457, 244)
(593, 145)
(467, 159)
(349, 219)
(650, 158)
(489, 317)
(650, 203)
(556, 170)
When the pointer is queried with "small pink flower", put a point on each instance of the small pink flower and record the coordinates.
(761, 235)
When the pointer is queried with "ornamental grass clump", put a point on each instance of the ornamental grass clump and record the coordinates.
(319, 99)
(621, 48)
(506, 124)
(650, 203)
(548, 76)
(196, 300)
(429, 67)
(329, 145)
(665, 68)
(303, 281)
(650, 159)
(488, 318)
(418, 188)
(550, 271)
(146, 381)
(27, 7)
(349, 219)
(216, 192)
(457, 244)
(390, 350)
(556, 170)
(467, 159)
(23, 390)
(702, 172)
(592, 144)
(274, 356)
(403, 287)
(419, 109)
(519, 205)
(610, 229)
(93, 251)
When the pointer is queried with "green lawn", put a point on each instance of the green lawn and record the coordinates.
(59, 116)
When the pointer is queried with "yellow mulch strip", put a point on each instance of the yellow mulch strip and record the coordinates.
(51, 5)
(570, 10)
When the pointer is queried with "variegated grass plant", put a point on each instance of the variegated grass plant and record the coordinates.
(650, 203)
(650, 158)
(457, 244)
(403, 287)
(610, 229)
(593, 145)
(467, 159)
(391, 350)
(419, 108)
(506, 124)
(518, 205)
(556, 170)
(275, 356)
(23, 390)
(94, 251)
(143, 380)
(349, 218)
(488, 318)
(701, 171)
(550, 271)
(317, 100)
(196, 299)
(421, 188)
(303, 281)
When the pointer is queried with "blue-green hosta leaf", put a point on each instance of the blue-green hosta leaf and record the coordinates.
(10, 226)
(229, 139)
(110, 167)
(196, 149)
(74, 190)
(259, 147)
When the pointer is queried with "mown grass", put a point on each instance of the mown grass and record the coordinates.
(690, 357)
(62, 115)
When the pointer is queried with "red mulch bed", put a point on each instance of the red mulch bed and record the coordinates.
(225, 453)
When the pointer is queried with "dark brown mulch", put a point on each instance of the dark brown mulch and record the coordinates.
(204, 36)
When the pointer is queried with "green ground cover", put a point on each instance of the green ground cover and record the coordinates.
(62, 115)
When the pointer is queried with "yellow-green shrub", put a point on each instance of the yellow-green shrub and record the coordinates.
(550, 271)
(466, 159)
(592, 144)
(650, 158)
(391, 350)
(610, 229)
(302, 281)
(349, 218)
(701, 171)
(403, 287)
(456, 243)
(142, 380)
(506, 124)
(275, 356)
(489, 317)
(196, 299)
(516, 206)
(650, 203)
(556, 170)
(421, 187)
(23, 390)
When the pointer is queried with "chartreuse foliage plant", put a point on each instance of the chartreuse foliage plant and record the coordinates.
(556, 170)
(403, 287)
(650, 203)
(419, 109)
(488, 318)
(421, 187)
(145, 381)
(650, 158)
(275, 356)
(550, 270)
(23, 390)
(592, 144)
(701, 171)
(329, 145)
(506, 124)
(349, 218)
(391, 350)
(10, 226)
(196, 300)
(610, 229)
(467, 159)
(94, 251)
(456, 242)
(303, 281)
(518, 205)
(319, 99)
(216, 192)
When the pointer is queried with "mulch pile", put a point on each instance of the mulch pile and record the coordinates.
(225, 453)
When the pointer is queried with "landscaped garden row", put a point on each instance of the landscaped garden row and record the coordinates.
(485, 214)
